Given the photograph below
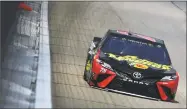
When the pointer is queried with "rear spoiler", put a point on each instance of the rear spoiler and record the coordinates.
(137, 36)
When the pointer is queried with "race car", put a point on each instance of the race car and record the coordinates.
(130, 63)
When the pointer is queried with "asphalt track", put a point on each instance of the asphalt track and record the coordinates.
(74, 24)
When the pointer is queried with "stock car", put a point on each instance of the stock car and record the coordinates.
(133, 64)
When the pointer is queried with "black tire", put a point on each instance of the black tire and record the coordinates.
(84, 77)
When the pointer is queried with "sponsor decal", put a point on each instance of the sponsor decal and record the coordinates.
(141, 66)
(139, 63)
(88, 65)
(136, 82)
(138, 42)
(137, 75)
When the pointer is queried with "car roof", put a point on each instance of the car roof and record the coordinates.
(136, 35)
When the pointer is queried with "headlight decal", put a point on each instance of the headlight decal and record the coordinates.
(103, 64)
(169, 78)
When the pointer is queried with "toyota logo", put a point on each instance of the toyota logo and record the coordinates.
(137, 75)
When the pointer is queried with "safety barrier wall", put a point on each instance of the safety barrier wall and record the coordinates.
(43, 84)
(25, 71)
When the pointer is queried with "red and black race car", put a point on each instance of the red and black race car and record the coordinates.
(130, 63)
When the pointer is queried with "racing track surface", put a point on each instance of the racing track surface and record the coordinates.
(73, 25)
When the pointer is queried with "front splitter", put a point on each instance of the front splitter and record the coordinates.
(127, 93)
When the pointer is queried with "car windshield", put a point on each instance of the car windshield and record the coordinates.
(122, 46)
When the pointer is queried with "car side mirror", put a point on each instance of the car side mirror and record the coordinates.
(96, 41)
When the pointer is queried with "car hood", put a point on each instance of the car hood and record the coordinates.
(130, 64)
